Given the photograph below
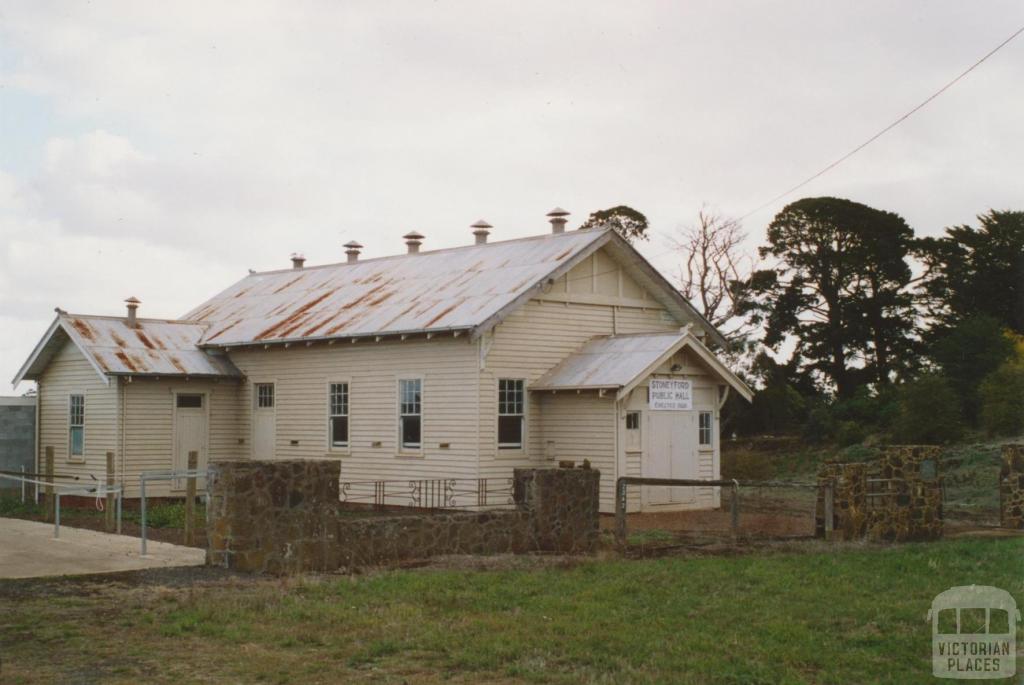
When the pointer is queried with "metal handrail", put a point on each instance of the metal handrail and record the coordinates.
(165, 475)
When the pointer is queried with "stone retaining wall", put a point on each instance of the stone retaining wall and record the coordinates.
(284, 517)
(1011, 487)
(897, 497)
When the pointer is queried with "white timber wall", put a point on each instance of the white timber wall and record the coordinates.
(70, 373)
(595, 298)
(301, 374)
(705, 398)
(148, 418)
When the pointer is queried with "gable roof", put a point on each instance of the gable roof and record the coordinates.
(621, 362)
(468, 288)
(155, 348)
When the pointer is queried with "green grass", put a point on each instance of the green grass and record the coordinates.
(12, 506)
(157, 515)
(838, 614)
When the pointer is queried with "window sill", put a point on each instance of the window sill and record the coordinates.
(409, 455)
(512, 453)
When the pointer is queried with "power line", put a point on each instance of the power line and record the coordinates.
(888, 128)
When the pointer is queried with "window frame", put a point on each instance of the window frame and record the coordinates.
(709, 429)
(71, 456)
(411, 449)
(256, 386)
(347, 445)
(634, 436)
(510, 447)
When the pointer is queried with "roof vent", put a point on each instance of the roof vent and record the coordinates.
(481, 229)
(133, 304)
(352, 249)
(558, 220)
(297, 260)
(413, 240)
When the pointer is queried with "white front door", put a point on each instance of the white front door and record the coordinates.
(189, 434)
(264, 422)
(671, 453)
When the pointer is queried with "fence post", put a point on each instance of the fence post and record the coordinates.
(109, 509)
(190, 498)
(735, 508)
(56, 520)
(829, 504)
(142, 511)
(620, 510)
(48, 492)
(23, 484)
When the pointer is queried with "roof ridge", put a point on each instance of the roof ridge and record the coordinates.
(423, 253)
(111, 317)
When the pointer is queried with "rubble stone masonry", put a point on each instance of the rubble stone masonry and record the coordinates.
(1011, 487)
(284, 517)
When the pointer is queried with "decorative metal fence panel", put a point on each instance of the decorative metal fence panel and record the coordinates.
(429, 494)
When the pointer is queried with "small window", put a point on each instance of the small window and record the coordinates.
(338, 414)
(633, 443)
(511, 415)
(189, 402)
(264, 395)
(706, 436)
(76, 425)
(410, 416)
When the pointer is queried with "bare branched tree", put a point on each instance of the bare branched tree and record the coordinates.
(713, 262)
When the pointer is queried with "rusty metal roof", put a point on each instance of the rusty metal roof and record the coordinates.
(442, 290)
(154, 348)
(620, 362)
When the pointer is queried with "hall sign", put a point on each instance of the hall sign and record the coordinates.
(670, 395)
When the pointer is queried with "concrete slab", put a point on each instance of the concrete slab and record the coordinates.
(29, 550)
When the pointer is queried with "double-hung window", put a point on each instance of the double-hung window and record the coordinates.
(511, 415)
(705, 436)
(76, 426)
(338, 414)
(410, 413)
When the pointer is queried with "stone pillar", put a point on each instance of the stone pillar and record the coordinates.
(563, 505)
(272, 516)
(1011, 487)
(849, 500)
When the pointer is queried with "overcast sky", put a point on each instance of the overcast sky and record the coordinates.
(161, 149)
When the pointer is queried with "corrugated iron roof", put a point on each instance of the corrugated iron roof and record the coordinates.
(620, 362)
(154, 348)
(457, 288)
(609, 361)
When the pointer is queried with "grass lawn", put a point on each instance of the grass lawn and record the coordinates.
(849, 614)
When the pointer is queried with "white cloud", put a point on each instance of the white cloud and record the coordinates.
(209, 137)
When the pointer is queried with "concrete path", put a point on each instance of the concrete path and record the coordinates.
(28, 550)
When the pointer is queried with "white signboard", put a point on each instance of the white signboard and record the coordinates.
(670, 395)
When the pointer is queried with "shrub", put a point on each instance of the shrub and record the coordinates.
(969, 352)
(929, 412)
(1002, 400)
(850, 433)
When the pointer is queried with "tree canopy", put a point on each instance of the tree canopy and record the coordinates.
(973, 271)
(627, 222)
(840, 287)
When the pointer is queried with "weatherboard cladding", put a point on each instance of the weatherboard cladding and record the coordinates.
(153, 348)
(459, 288)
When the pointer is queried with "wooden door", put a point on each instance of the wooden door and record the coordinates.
(189, 434)
(671, 452)
(264, 421)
